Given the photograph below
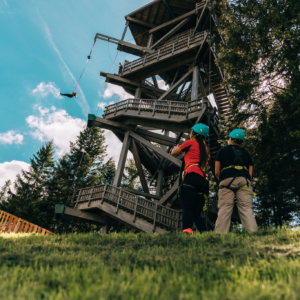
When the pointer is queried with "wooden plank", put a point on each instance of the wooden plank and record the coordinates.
(169, 157)
(139, 167)
(169, 23)
(139, 22)
(176, 85)
(170, 33)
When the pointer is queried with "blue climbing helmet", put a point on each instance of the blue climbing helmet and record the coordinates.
(201, 129)
(238, 134)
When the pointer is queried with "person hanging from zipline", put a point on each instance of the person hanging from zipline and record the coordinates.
(234, 168)
(70, 95)
(195, 186)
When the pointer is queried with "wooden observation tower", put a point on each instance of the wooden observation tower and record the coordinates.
(174, 41)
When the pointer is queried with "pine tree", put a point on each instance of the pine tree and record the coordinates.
(29, 201)
(3, 194)
(109, 172)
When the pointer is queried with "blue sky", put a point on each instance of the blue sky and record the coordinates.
(44, 45)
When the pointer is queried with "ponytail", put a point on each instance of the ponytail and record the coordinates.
(204, 151)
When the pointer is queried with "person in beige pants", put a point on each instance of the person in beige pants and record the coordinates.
(234, 168)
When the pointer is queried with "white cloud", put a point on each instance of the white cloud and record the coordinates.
(9, 170)
(56, 125)
(162, 85)
(81, 100)
(11, 137)
(5, 2)
(44, 89)
(112, 90)
(102, 105)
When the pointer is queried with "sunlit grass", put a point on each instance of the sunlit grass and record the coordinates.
(261, 265)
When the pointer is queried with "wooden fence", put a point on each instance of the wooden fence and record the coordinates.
(12, 224)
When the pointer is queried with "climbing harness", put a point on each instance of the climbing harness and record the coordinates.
(237, 164)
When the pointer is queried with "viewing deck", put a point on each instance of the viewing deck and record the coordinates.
(164, 110)
(176, 50)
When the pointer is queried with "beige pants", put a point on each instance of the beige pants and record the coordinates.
(244, 204)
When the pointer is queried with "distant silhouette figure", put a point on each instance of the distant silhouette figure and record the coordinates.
(70, 95)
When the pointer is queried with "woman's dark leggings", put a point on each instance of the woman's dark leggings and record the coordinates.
(192, 202)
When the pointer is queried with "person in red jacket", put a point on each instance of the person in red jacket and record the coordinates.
(195, 186)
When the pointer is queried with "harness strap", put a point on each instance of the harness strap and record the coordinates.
(202, 169)
(235, 167)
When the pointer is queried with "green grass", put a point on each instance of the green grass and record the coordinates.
(262, 265)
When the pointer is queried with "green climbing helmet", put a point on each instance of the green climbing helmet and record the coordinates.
(238, 134)
(201, 129)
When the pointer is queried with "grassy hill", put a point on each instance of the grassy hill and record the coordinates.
(263, 265)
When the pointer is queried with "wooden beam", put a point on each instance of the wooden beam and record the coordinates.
(122, 159)
(170, 33)
(170, 194)
(168, 8)
(162, 153)
(169, 23)
(201, 16)
(139, 22)
(176, 85)
(139, 167)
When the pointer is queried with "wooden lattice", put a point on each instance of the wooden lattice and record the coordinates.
(12, 224)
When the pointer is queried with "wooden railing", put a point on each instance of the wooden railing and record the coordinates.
(185, 39)
(156, 106)
(133, 204)
(12, 224)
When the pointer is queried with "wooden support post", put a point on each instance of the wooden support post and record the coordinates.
(195, 84)
(176, 85)
(155, 81)
(139, 167)
(138, 93)
(122, 159)
(161, 172)
(201, 86)
(125, 30)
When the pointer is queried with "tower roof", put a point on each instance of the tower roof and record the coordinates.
(154, 14)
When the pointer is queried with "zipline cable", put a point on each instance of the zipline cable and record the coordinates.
(88, 58)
